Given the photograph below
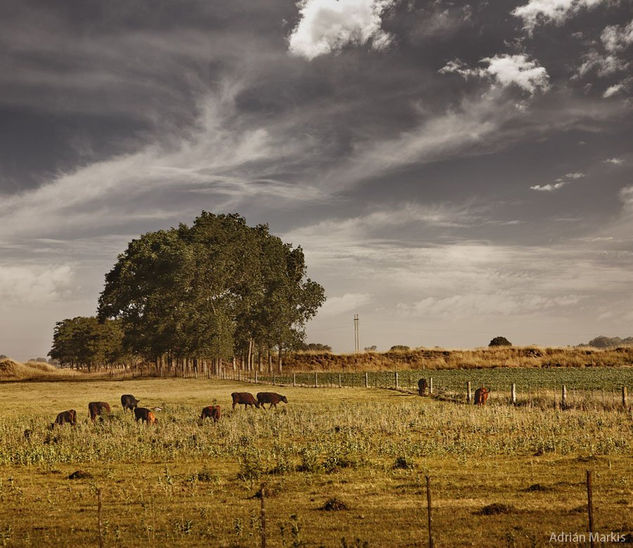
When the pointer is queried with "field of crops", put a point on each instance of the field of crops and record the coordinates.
(527, 380)
(185, 483)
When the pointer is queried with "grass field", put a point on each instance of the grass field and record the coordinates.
(182, 483)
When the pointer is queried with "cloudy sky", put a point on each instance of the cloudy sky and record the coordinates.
(454, 171)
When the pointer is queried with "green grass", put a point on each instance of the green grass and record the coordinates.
(527, 379)
(183, 483)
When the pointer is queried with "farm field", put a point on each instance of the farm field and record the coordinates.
(498, 379)
(182, 483)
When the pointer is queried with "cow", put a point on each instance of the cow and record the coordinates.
(129, 402)
(481, 395)
(145, 415)
(98, 408)
(211, 412)
(422, 387)
(245, 398)
(270, 397)
(65, 417)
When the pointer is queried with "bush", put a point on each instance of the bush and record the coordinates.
(399, 348)
(500, 341)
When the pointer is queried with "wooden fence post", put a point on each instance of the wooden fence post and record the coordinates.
(590, 508)
(294, 379)
(316, 379)
(469, 393)
(340, 382)
(255, 376)
(99, 522)
(563, 397)
(624, 402)
(366, 379)
(430, 386)
(428, 508)
(513, 394)
(395, 378)
(262, 514)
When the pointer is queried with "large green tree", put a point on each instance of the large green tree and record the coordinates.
(213, 290)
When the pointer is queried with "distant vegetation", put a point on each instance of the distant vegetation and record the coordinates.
(609, 342)
(399, 348)
(314, 347)
(499, 341)
(217, 290)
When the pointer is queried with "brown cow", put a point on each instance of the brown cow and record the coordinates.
(481, 395)
(97, 408)
(270, 397)
(244, 398)
(145, 415)
(65, 417)
(211, 412)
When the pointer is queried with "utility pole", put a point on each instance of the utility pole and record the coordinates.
(356, 336)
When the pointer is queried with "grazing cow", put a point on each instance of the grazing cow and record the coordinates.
(145, 415)
(97, 408)
(422, 387)
(270, 397)
(66, 417)
(481, 395)
(211, 412)
(129, 402)
(245, 398)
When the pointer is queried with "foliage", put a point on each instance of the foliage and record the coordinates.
(371, 348)
(609, 342)
(86, 342)
(213, 290)
(499, 341)
(314, 347)
(399, 348)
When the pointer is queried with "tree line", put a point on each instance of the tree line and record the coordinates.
(196, 297)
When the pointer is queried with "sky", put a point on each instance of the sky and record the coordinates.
(453, 171)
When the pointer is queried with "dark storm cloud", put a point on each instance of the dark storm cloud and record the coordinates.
(424, 147)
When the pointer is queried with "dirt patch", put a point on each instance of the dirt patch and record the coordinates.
(80, 474)
(334, 505)
(496, 508)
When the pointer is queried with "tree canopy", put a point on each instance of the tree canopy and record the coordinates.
(499, 341)
(215, 289)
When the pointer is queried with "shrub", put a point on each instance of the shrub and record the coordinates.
(500, 341)
(399, 348)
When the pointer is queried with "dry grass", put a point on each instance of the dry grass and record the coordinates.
(423, 358)
(11, 370)
(182, 483)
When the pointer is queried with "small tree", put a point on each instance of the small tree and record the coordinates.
(399, 348)
(371, 348)
(500, 341)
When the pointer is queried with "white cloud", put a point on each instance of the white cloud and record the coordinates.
(345, 303)
(504, 303)
(34, 284)
(560, 182)
(613, 90)
(616, 38)
(549, 187)
(545, 11)
(575, 175)
(225, 160)
(614, 161)
(326, 26)
(602, 65)
(506, 70)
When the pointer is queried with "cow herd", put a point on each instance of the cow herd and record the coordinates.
(144, 414)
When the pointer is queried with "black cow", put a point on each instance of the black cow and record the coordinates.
(65, 417)
(129, 402)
